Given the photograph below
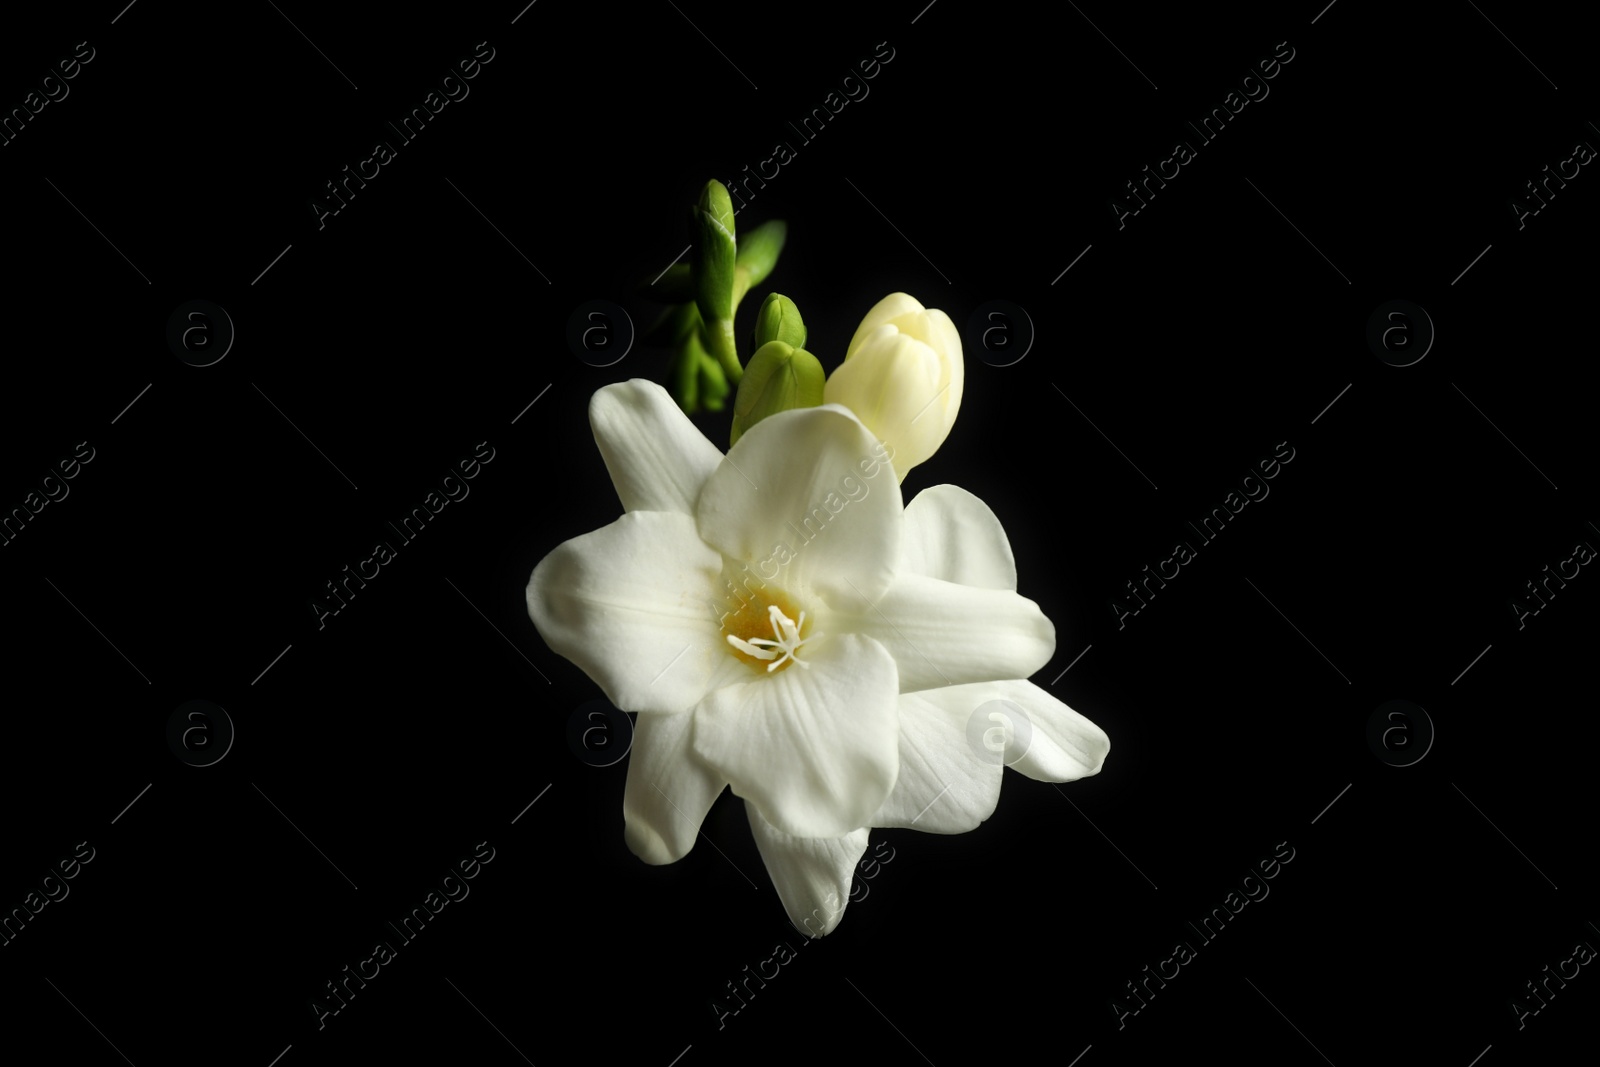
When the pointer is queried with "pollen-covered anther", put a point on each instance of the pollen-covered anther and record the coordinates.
(786, 631)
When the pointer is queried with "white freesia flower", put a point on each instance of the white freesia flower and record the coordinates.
(784, 627)
(902, 375)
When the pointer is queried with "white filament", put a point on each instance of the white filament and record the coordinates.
(788, 640)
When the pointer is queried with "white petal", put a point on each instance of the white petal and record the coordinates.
(899, 389)
(945, 786)
(953, 536)
(930, 326)
(935, 329)
(813, 747)
(657, 459)
(1063, 746)
(910, 410)
(812, 874)
(943, 634)
(669, 789)
(632, 605)
(893, 306)
(807, 486)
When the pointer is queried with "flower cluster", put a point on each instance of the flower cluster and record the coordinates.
(786, 626)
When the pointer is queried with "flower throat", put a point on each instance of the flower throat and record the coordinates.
(767, 632)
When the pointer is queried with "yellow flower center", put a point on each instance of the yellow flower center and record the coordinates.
(767, 632)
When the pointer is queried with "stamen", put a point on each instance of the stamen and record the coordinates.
(749, 649)
(787, 638)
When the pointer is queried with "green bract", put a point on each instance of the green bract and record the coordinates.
(758, 252)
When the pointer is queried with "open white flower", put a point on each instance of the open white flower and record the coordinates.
(687, 610)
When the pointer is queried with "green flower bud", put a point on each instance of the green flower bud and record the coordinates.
(714, 269)
(779, 377)
(715, 201)
(758, 250)
(715, 252)
(779, 320)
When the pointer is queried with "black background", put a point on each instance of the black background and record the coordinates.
(428, 714)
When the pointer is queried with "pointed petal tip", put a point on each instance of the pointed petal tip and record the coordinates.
(812, 875)
(658, 460)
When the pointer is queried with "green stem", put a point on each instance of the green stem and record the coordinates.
(720, 340)
(720, 343)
